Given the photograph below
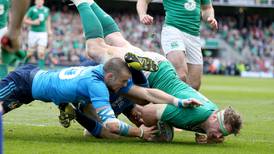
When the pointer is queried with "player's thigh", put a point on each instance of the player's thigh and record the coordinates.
(32, 40)
(42, 41)
(174, 47)
(116, 39)
(194, 60)
(193, 49)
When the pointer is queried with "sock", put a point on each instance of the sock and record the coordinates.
(41, 63)
(3, 70)
(91, 24)
(107, 22)
(138, 77)
(91, 125)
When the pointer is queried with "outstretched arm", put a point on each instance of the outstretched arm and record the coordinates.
(117, 126)
(160, 97)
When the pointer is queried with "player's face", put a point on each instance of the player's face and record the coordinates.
(116, 83)
(39, 3)
(214, 134)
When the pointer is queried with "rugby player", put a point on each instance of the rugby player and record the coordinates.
(180, 38)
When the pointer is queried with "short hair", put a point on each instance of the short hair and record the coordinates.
(233, 118)
(116, 66)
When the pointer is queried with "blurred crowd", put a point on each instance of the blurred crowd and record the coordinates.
(254, 41)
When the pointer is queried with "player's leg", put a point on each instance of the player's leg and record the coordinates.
(174, 49)
(111, 30)
(194, 61)
(96, 46)
(32, 45)
(41, 49)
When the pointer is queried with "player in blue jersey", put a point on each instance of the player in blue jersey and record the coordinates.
(28, 83)
(80, 84)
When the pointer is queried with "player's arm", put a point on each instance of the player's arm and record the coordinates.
(159, 97)
(29, 21)
(119, 127)
(208, 16)
(49, 25)
(141, 7)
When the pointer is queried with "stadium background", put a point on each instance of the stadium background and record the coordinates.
(243, 44)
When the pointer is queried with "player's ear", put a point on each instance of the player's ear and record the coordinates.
(108, 76)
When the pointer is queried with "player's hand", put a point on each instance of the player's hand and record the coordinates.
(149, 132)
(36, 22)
(213, 23)
(191, 102)
(146, 19)
(105, 133)
(200, 138)
(10, 44)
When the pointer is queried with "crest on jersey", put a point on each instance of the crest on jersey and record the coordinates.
(190, 5)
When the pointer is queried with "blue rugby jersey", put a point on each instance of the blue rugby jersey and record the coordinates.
(73, 85)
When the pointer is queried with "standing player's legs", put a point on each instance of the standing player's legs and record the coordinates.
(41, 48)
(184, 52)
(194, 60)
(174, 49)
(32, 45)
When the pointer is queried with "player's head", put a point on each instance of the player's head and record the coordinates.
(39, 3)
(224, 123)
(116, 74)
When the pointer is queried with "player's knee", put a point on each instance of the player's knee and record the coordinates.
(182, 75)
(196, 85)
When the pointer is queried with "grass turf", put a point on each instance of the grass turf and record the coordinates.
(34, 128)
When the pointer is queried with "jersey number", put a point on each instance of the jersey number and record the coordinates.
(70, 73)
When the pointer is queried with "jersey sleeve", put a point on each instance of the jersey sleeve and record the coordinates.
(29, 13)
(125, 90)
(206, 2)
(98, 93)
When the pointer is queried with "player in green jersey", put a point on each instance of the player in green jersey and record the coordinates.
(38, 17)
(207, 118)
(180, 34)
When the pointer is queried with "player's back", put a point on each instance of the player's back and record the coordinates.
(64, 85)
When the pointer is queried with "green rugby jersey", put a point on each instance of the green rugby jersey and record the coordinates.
(4, 11)
(41, 14)
(184, 14)
(167, 80)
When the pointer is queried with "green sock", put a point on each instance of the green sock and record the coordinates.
(107, 22)
(41, 63)
(91, 24)
(8, 58)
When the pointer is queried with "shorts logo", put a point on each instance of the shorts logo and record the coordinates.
(190, 5)
(174, 45)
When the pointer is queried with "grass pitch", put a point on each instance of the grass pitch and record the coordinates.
(34, 128)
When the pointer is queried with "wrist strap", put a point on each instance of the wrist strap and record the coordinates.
(142, 133)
